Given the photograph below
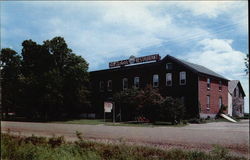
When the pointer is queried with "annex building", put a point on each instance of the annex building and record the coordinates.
(202, 90)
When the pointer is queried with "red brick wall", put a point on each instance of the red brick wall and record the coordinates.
(214, 94)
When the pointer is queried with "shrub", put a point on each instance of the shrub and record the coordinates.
(220, 152)
(56, 141)
(85, 150)
(194, 120)
(223, 108)
(35, 140)
(79, 135)
(172, 109)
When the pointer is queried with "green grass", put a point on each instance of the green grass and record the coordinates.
(55, 148)
(109, 123)
(216, 120)
(83, 121)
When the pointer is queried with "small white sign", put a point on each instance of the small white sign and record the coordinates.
(108, 106)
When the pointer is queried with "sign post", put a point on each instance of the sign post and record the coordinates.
(114, 112)
(107, 109)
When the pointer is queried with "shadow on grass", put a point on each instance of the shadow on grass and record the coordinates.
(107, 122)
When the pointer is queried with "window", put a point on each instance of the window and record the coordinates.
(169, 79)
(169, 66)
(208, 102)
(137, 82)
(220, 85)
(109, 85)
(125, 83)
(208, 83)
(220, 102)
(182, 78)
(155, 80)
(101, 85)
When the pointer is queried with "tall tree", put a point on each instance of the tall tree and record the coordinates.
(10, 72)
(73, 75)
(150, 101)
(53, 80)
(37, 62)
(56, 79)
(247, 64)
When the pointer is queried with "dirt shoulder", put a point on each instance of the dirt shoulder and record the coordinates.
(235, 137)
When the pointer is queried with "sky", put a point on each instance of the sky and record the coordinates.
(210, 33)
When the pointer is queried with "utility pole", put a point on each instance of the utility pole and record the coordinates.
(113, 112)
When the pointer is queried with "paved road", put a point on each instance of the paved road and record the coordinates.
(235, 135)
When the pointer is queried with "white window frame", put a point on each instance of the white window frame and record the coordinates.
(220, 102)
(169, 68)
(220, 85)
(208, 83)
(101, 86)
(155, 81)
(208, 102)
(109, 87)
(170, 74)
(183, 76)
(123, 83)
(137, 82)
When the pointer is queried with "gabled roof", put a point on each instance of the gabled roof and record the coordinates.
(191, 66)
(232, 85)
(196, 68)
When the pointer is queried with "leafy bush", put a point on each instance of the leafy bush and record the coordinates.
(127, 103)
(56, 141)
(149, 104)
(172, 110)
(220, 152)
(35, 140)
(12, 149)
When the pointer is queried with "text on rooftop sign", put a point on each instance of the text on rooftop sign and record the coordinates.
(133, 59)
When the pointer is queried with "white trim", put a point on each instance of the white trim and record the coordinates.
(182, 74)
(123, 83)
(155, 80)
(169, 79)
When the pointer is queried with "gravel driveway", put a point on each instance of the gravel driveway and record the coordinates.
(234, 136)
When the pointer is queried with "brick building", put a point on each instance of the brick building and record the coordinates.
(202, 90)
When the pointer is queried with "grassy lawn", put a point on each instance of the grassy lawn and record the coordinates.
(110, 123)
(220, 120)
(82, 121)
(55, 148)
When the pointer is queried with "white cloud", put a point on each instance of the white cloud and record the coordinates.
(208, 8)
(236, 11)
(219, 45)
(120, 29)
(219, 56)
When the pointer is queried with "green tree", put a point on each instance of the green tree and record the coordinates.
(53, 80)
(127, 102)
(149, 100)
(135, 102)
(75, 85)
(10, 72)
(37, 63)
(172, 109)
(247, 64)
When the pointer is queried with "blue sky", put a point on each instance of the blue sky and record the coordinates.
(211, 33)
